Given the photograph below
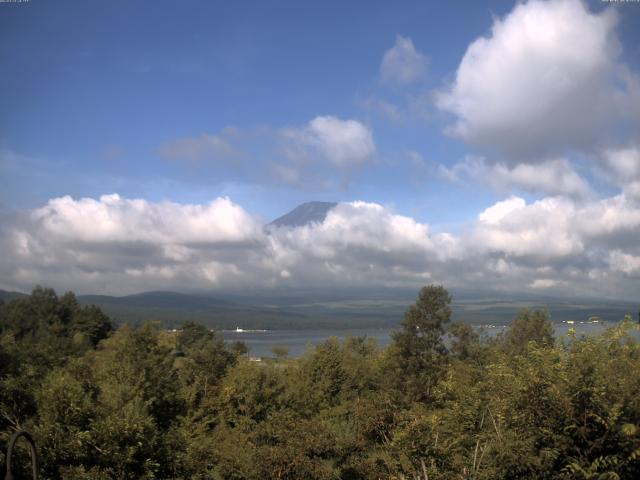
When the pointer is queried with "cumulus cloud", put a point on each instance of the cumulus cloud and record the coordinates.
(547, 78)
(495, 213)
(622, 165)
(402, 63)
(119, 245)
(624, 262)
(342, 143)
(541, 230)
(112, 218)
(551, 177)
(359, 244)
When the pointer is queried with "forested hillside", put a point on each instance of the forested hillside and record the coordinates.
(129, 403)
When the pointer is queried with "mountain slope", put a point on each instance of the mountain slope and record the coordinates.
(6, 296)
(157, 300)
(304, 214)
(328, 308)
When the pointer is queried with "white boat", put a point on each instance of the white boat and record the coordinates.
(244, 330)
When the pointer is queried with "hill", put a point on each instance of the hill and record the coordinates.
(306, 309)
(7, 296)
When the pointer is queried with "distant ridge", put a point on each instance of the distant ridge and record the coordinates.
(333, 308)
(8, 296)
(304, 214)
(156, 299)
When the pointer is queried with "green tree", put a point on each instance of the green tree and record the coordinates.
(465, 341)
(418, 355)
(193, 333)
(529, 326)
(92, 323)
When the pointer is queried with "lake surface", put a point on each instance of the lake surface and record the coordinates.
(260, 343)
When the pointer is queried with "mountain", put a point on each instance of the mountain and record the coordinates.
(304, 214)
(172, 308)
(156, 300)
(302, 309)
(6, 296)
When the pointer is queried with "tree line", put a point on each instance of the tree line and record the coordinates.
(442, 401)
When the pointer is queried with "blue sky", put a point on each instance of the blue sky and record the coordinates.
(275, 103)
(83, 79)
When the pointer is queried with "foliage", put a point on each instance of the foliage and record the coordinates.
(528, 326)
(418, 356)
(440, 402)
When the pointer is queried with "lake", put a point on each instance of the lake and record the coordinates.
(260, 342)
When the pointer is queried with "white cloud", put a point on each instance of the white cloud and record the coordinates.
(402, 63)
(623, 165)
(612, 219)
(321, 154)
(552, 177)
(632, 190)
(357, 244)
(498, 211)
(624, 262)
(116, 219)
(555, 177)
(545, 79)
(541, 230)
(118, 245)
(342, 143)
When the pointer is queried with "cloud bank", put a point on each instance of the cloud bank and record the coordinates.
(118, 245)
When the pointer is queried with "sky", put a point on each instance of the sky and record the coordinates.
(145, 145)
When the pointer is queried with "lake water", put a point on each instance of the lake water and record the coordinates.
(298, 341)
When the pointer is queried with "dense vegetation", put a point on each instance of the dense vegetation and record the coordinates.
(145, 403)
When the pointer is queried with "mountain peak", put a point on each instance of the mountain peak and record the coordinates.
(304, 214)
